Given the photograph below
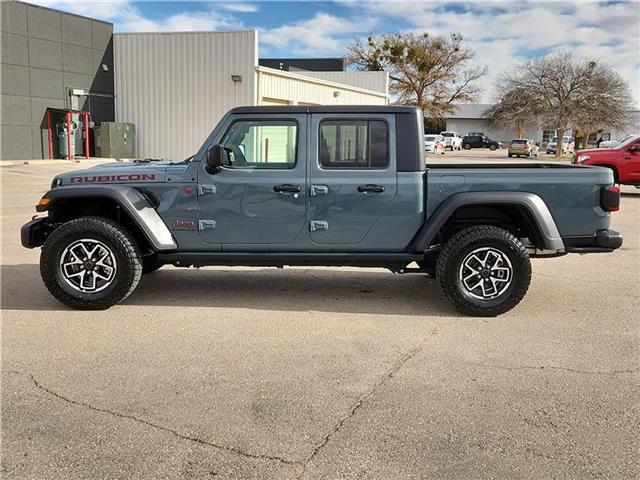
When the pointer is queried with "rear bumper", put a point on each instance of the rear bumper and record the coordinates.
(34, 233)
(603, 241)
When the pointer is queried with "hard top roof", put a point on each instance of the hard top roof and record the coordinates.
(325, 109)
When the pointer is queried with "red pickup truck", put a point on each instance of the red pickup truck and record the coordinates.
(623, 159)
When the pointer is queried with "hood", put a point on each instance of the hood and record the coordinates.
(118, 172)
(591, 151)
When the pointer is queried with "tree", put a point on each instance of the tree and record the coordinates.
(430, 72)
(512, 110)
(563, 93)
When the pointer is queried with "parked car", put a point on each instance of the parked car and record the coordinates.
(614, 143)
(349, 191)
(623, 160)
(521, 147)
(452, 140)
(479, 141)
(567, 145)
(434, 144)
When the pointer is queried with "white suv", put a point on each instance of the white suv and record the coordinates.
(452, 140)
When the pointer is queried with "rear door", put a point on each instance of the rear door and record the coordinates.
(352, 175)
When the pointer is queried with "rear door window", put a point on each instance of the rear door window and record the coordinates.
(353, 144)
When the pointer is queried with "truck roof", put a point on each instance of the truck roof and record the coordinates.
(326, 109)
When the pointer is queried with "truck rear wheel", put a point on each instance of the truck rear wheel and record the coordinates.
(90, 263)
(484, 271)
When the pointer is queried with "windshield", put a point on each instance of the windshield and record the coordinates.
(626, 141)
(447, 134)
(429, 138)
(519, 140)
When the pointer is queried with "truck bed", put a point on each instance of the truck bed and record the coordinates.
(566, 189)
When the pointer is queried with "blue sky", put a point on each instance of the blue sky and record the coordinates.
(501, 33)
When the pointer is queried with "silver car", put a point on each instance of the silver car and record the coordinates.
(521, 147)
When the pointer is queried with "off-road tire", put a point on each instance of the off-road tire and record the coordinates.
(466, 146)
(150, 264)
(121, 244)
(462, 244)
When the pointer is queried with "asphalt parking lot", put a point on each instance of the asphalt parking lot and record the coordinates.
(319, 373)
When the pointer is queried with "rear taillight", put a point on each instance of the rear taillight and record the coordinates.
(610, 198)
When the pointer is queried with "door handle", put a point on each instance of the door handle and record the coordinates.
(286, 188)
(370, 188)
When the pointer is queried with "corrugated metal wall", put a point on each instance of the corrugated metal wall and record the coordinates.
(299, 88)
(377, 81)
(176, 86)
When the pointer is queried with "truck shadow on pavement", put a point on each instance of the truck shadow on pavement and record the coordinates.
(290, 289)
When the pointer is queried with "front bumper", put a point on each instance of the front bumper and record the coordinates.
(34, 233)
(603, 241)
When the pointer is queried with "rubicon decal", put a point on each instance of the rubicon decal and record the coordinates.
(143, 177)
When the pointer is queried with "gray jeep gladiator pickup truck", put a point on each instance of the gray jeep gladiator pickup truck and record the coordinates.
(319, 185)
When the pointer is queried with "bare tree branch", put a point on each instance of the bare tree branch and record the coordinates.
(563, 93)
(429, 72)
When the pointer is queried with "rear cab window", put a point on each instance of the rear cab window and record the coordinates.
(353, 144)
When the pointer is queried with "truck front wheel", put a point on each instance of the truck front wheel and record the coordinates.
(90, 263)
(484, 271)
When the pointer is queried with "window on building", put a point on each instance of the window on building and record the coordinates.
(354, 144)
(262, 144)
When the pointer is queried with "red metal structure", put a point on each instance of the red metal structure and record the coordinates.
(68, 113)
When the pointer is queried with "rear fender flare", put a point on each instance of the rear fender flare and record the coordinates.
(130, 199)
(530, 201)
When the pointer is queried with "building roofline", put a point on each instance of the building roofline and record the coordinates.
(302, 58)
(62, 11)
(186, 32)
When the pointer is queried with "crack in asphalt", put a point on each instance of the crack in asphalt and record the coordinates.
(182, 436)
(359, 402)
(300, 464)
(551, 367)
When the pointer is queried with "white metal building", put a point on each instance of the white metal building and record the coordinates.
(176, 86)
(471, 118)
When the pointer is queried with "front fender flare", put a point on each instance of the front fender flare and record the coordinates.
(130, 199)
(530, 201)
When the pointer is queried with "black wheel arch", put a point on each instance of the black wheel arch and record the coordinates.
(523, 214)
(134, 209)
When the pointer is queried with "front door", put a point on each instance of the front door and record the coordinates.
(352, 175)
(258, 198)
(631, 163)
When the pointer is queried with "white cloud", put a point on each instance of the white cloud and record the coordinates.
(241, 7)
(126, 17)
(103, 10)
(323, 33)
(503, 33)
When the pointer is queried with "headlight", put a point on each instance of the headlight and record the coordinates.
(582, 158)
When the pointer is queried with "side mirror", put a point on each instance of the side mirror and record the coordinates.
(216, 157)
(634, 148)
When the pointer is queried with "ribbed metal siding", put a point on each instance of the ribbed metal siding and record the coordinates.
(295, 88)
(176, 86)
(377, 81)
